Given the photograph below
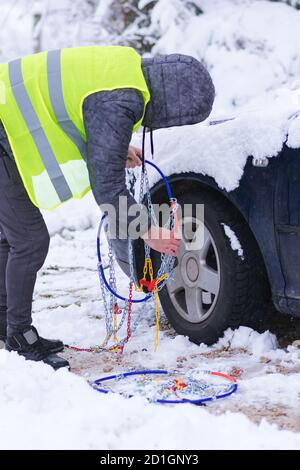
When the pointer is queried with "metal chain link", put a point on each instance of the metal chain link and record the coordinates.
(166, 267)
(167, 261)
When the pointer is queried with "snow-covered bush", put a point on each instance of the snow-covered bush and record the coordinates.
(292, 3)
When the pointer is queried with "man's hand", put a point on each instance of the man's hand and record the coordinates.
(163, 240)
(134, 157)
(158, 238)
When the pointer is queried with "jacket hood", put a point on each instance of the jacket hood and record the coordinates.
(181, 89)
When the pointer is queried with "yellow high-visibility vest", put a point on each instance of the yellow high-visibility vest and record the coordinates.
(41, 98)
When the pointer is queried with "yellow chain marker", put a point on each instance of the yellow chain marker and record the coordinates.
(115, 312)
(156, 319)
(152, 286)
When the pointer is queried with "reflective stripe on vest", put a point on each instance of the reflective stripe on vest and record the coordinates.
(36, 131)
(57, 101)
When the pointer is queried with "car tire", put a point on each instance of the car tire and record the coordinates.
(242, 281)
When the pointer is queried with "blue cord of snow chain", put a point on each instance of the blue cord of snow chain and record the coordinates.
(163, 401)
(164, 178)
(102, 274)
(101, 270)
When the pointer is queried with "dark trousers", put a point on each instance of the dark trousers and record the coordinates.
(24, 242)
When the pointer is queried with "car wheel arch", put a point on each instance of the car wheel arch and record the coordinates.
(184, 182)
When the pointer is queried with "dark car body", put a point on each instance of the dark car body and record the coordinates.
(268, 198)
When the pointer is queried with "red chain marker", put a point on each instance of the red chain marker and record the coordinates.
(117, 309)
(149, 284)
(129, 313)
(74, 348)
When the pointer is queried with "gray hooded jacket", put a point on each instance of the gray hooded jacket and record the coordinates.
(182, 93)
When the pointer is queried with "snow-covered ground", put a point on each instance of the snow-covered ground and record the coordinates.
(252, 51)
(67, 305)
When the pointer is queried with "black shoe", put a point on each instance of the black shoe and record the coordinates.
(29, 345)
(52, 345)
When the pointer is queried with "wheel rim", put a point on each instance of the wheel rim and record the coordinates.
(195, 284)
